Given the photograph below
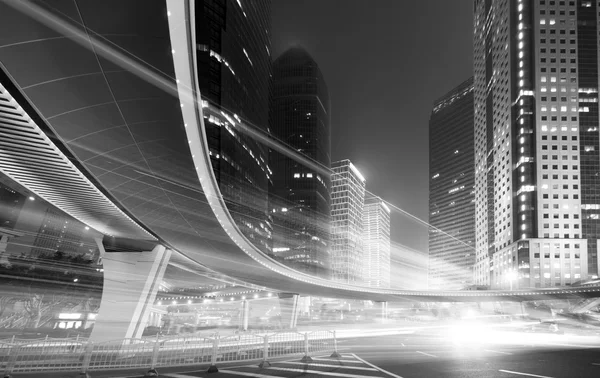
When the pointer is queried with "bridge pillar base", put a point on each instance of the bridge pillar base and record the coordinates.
(151, 373)
(245, 314)
(264, 364)
(306, 359)
(131, 281)
(213, 369)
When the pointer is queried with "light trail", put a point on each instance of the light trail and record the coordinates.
(145, 71)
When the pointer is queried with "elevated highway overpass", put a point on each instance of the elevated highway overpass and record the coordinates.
(101, 116)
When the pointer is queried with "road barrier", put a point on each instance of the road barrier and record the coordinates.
(49, 355)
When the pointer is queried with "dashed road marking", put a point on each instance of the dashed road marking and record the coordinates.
(496, 351)
(426, 354)
(526, 374)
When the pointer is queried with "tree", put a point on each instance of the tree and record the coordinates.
(35, 307)
(5, 302)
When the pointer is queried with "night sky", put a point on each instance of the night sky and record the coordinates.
(385, 63)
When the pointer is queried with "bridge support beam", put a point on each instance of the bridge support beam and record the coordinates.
(384, 310)
(245, 314)
(131, 281)
(288, 306)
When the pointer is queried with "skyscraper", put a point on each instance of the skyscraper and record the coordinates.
(234, 72)
(536, 142)
(347, 201)
(376, 224)
(451, 189)
(300, 197)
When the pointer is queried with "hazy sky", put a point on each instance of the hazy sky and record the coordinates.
(385, 62)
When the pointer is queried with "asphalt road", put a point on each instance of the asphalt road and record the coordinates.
(427, 353)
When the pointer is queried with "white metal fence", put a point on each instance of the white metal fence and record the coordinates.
(52, 355)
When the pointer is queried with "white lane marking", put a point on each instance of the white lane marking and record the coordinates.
(402, 344)
(256, 375)
(308, 371)
(328, 365)
(572, 345)
(593, 363)
(527, 374)
(174, 375)
(336, 360)
(496, 351)
(376, 367)
(426, 354)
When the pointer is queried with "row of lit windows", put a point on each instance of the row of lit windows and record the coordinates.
(564, 167)
(560, 3)
(564, 147)
(561, 41)
(557, 216)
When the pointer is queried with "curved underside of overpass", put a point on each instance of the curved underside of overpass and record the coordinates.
(117, 95)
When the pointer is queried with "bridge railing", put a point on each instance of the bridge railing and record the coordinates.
(86, 356)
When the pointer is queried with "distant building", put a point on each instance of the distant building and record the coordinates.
(451, 189)
(43, 229)
(58, 233)
(537, 142)
(233, 41)
(376, 228)
(300, 196)
(347, 201)
(11, 203)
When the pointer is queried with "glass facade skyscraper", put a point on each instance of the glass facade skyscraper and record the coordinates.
(536, 142)
(451, 189)
(234, 72)
(376, 226)
(300, 197)
(347, 204)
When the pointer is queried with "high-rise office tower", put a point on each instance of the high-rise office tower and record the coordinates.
(300, 196)
(536, 142)
(376, 227)
(451, 189)
(347, 201)
(234, 72)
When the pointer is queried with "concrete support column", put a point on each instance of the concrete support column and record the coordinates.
(288, 305)
(384, 306)
(131, 281)
(245, 314)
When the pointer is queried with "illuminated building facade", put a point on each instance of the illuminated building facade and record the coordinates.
(451, 190)
(11, 203)
(234, 73)
(347, 202)
(536, 142)
(300, 196)
(376, 227)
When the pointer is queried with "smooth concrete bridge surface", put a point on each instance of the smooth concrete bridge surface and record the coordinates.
(113, 97)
